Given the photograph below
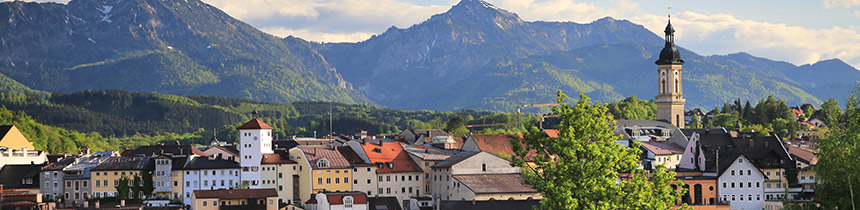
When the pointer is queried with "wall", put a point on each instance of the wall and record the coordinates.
(473, 165)
(775, 184)
(55, 184)
(752, 185)
(399, 187)
(177, 183)
(304, 173)
(334, 179)
(364, 179)
(252, 144)
(280, 178)
(111, 177)
(203, 180)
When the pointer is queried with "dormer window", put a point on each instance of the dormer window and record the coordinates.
(347, 201)
(390, 165)
(377, 150)
(322, 163)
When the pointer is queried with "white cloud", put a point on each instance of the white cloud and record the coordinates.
(857, 13)
(840, 3)
(565, 10)
(723, 34)
(318, 36)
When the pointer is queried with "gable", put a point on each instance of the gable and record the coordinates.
(741, 163)
(12, 138)
(483, 160)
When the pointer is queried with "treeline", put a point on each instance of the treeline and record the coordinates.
(769, 116)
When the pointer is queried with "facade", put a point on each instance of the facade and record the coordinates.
(265, 199)
(701, 189)
(662, 153)
(106, 176)
(163, 176)
(255, 139)
(15, 149)
(203, 173)
(396, 173)
(363, 172)
(471, 175)
(806, 161)
(670, 95)
(277, 171)
(321, 168)
(76, 178)
(52, 178)
(338, 201)
(426, 157)
(741, 184)
(177, 178)
(225, 152)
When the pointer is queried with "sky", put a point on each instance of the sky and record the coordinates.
(796, 31)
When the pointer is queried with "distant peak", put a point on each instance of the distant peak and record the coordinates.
(480, 9)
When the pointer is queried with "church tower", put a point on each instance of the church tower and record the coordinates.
(670, 95)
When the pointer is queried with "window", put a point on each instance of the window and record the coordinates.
(740, 160)
(205, 203)
(733, 172)
(724, 185)
(749, 172)
(328, 180)
(323, 163)
(347, 201)
(757, 184)
(388, 178)
(319, 180)
(379, 191)
(484, 167)
(380, 178)
(336, 181)
(368, 181)
(388, 190)
(749, 184)
(733, 185)
(345, 180)
(740, 172)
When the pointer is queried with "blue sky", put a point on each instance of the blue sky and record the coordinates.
(797, 31)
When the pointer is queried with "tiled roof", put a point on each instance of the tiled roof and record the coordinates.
(459, 157)
(229, 149)
(489, 205)
(205, 163)
(663, 148)
(236, 193)
(314, 153)
(428, 153)
(389, 152)
(164, 149)
(59, 165)
(116, 163)
(805, 155)
(351, 156)
(275, 159)
(383, 203)
(336, 198)
(498, 144)
(491, 183)
(255, 124)
(11, 176)
(552, 133)
(431, 132)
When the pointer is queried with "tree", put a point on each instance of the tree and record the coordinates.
(838, 167)
(123, 188)
(581, 168)
(457, 126)
(696, 123)
(830, 110)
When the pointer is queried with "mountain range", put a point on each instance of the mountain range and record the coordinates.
(474, 56)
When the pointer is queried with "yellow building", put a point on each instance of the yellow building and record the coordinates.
(106, 176)
(12, 138)
(235, 199)
(321, 168)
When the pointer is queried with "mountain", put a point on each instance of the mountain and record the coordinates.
(479, 56)
(175, 47)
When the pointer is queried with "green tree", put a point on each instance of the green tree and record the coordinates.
(696, 123)
(581, 168)
(838, 167)
(457, 126)
(123, 188)
(724, 120)
(829, 112)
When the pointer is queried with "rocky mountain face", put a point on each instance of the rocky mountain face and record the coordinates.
(479, 56)
(177, 47)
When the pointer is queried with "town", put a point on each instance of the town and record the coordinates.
(415, 169)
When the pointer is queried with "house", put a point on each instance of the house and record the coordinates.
(255, 139)
(205, 173)
(397, 174)
(108, 174)
(701, 189)
(15, 149)
(383, 203)
(661, 153)
(426, 157)
(22, 177)
(363, 171)
(649, 130)
(338, 201)
(496, 144)
(52, 178)
(471, 175)
(740, 184)
(225, 152)
(817, 122)
(278, 173)
(24, 200)
(234, 199)
(411, 135)
(321, 168)
(163, 149)
(77, 176)
(806, 160)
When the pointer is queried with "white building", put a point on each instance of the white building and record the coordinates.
(741, 184)
(396, 173)
(203, 173)
(338, 201)
(473, 175)
(255, 139)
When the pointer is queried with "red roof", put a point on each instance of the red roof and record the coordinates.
(390, 152)
(275, 159)
(337, 198)
(255, 124)
(552, 133)
(499, 144)
(236, 193)
(663, 148)
(315, 153)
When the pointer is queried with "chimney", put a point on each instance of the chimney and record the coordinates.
(97, 204)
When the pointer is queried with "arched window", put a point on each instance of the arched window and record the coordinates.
(323, 163)
(347, 201)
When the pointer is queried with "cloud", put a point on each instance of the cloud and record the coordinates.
(566, 10)
(857, 13)
(724, 34)
(318, 36)
(840, 3)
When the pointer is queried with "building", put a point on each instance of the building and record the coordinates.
(24, 200)
(740, 184)
(383, 203)
(77, 178)
(234, 199)
(411, 135)
(255, 139)
(363, 172)
(15, 149)
(471, 175)
(162, 149)
(53, 176)
(106, 177)
(321, 168)
(225, 152)
(397, 174)
(806, 161)
(496, 144)
(670, 95)
(205, 173)
(22, 177)
(661, 153)
(701, 189)
(338, 201)
(427, 157)
(177, 178)
(278, 170)
(489, 204)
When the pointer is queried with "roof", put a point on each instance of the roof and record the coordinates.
(755, 148)
(205, 163)
(336, 198)
(236, 193)
(314, 153)
(804, 155)
(387, 152)
(552, 133)
(351, 156)
(669, 54)
(489, 205)
(428, 153)
(663, 148)
(254, 125)
(284, 144)
(164, 149)
(12, 175)
(495, 143)
(457, 158)
(492, 183)
(275, 159)
(430, 132)
(230, 149)
(59, 165)
(116, 163)
(383, 203)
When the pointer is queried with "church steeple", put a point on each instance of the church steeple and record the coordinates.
(670, 95)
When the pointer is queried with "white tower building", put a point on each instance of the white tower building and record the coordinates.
(255, 139)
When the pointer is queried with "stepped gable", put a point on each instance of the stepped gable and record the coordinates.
(255, 124)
